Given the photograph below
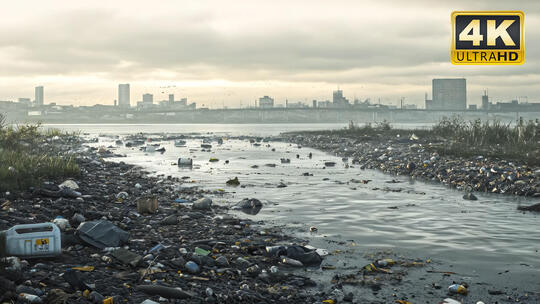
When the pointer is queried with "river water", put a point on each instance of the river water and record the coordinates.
(486, 241)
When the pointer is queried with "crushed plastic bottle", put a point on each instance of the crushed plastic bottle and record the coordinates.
(30, 298)
(449, 301)
(156, 248)
(457, 288)
(292, 262)
(385, 262)
(61, 222)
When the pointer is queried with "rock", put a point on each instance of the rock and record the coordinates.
(78, 218)
(194, 215)
(192, 267)
(534, 208)
(222, 261)
(69, 184)
(208, 261)
(29, 290)
(233, 182)
(242, 263)
(58, 296)
(178, 262)
(204, 203)
(247, 203)
(164, 291)
(96, 297)
(75, 280)
(69, 193)
(469, 196)
(170, 220)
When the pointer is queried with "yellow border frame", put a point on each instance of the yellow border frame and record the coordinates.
(503, 13)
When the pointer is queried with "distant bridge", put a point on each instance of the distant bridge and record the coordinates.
(272, 115)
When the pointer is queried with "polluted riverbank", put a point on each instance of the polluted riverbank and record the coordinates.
(359, 223)
(128, 237)
(355, 269)
(458, 154)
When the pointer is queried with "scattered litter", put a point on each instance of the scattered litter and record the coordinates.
(102, 234)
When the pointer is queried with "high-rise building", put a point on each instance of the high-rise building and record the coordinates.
(39, 98)
(338, 100)
(266, 102)
(148, 98)
(485, 101)
(449, 94)
(171, 98)
(123, 95)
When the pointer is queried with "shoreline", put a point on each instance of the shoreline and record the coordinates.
(411, 157)
(236, 269)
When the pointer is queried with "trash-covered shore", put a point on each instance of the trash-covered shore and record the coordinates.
(411, 155)
(128, 237)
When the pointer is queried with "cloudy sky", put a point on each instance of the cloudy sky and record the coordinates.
(232, 52)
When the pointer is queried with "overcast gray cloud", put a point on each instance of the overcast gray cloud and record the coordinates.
(226, 53)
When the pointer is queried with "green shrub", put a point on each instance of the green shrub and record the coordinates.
(23, 163)
(20, 171)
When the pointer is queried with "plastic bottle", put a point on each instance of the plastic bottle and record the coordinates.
(275, 250)
(292, 262)
(457, 288)
(156, 248)
(385, 262)
(30, 298)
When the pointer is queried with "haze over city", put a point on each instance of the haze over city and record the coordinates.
(230, 54)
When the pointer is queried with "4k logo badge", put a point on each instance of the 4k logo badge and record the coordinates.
(484, 37)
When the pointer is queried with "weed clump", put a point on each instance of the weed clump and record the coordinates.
(23, 160)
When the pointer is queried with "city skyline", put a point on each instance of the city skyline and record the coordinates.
(453, 91)
(231, 55)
